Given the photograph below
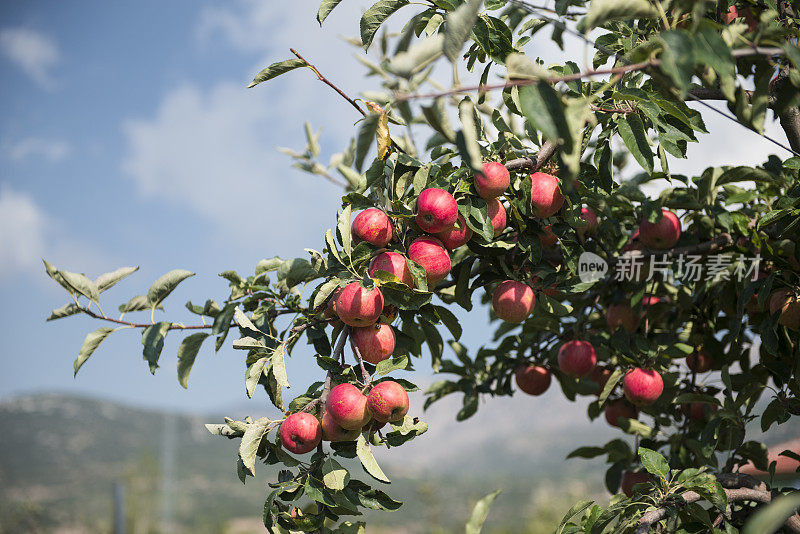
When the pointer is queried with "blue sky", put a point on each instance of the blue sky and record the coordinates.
(127, 137)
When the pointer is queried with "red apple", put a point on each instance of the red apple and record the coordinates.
(662, 234)
(333, 431)
(546, 197)
(494, 181)
(619, 408)
(600, 376)
(549, 239)
(642, 386)
(375, 343)
(348, 406)
(458, 235)
(577, 358)
(436, 210)
(330, 308)
(622, 315)
(497, 214)
(699, 361)
(513, 301)
(697, 411)
(532, 379)
(631, 478)
(788, 304)
(591, 222)
(393, 263)
(430, 253)
(359, 306)
(300, 433)
(373, 226)
(388, 401)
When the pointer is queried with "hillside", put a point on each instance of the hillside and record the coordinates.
(60, 457)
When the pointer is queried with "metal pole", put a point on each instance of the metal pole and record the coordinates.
(119, 508)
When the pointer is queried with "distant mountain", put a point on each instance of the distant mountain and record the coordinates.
(60, 457)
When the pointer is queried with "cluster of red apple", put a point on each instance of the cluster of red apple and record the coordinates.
(347, 413)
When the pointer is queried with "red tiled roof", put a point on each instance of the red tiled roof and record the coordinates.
(784, 466)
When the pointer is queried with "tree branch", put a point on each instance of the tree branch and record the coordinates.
(734, 495)
(328, 82)
(622, 69)
(173, 326)
(533, 163)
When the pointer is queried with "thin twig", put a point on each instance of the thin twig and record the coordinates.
(622, 69)
(173, 326)
(328, 82)
(364, 374)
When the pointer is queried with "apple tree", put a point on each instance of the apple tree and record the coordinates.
(480, 174)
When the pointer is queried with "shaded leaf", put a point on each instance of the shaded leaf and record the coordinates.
(251, 440)
(187, 352)
(153, 343)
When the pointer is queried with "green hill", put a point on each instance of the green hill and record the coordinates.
(60, 457)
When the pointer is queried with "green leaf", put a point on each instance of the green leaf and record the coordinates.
(90, 345)
(137, 303)
(436, 115)
(544, 110)
(458, 27)
(450, 321)
(187, 352)
(243, 321)
(343, 226)
(417, 57)
(654, 462)
(467, 137)
(277, 361)
(253, 375)
(64, 311)
(153, 342)
(108, 280)
(576, 509)
(81, 284)
(276, 69)
(248, 343)
(334, 476)
(610, 384)
(368, 460)
(602, 11)
(633, 134)
(479, 513)
(251, 440)
(325, 9)
(55, 274)
(376, 15)
(677, 59)
(162, 287)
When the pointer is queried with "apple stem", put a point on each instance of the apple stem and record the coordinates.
(365, 375)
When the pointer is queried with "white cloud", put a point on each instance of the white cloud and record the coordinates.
(30, 234)
(35, 53)
(22, 241)
(50, 149)
(213, 152)
(213, 149)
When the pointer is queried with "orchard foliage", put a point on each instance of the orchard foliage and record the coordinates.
(700, 357)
